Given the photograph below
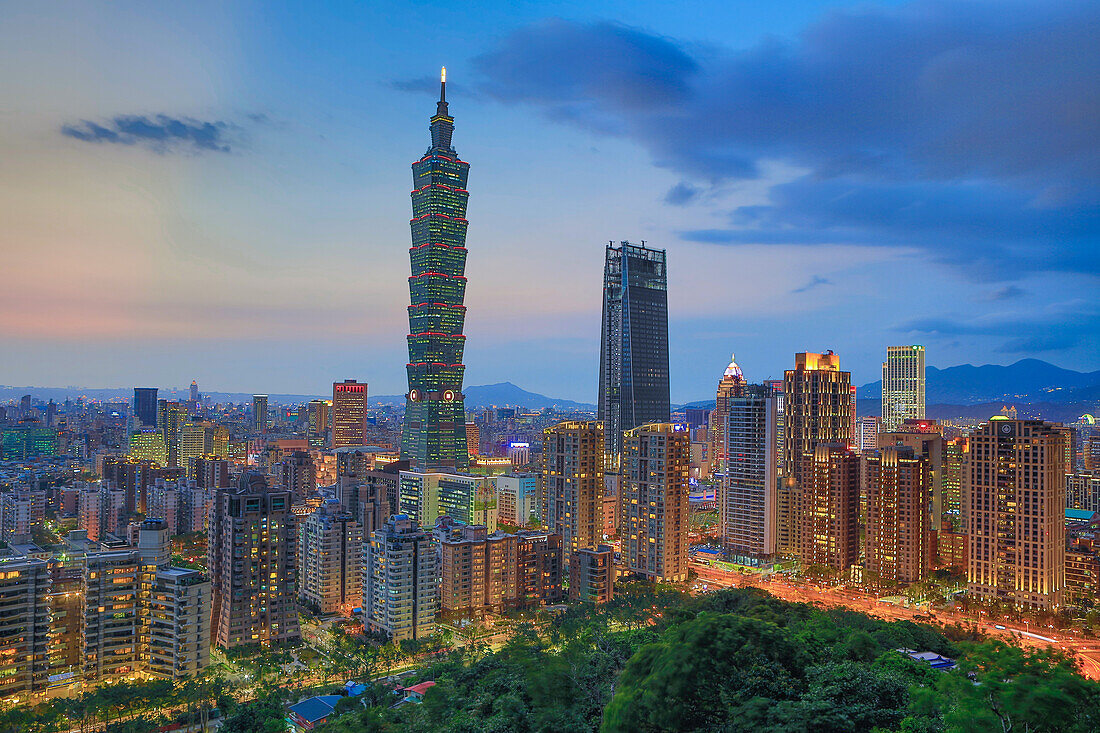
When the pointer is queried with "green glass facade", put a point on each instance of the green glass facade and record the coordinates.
(24, 443)
(434, 432)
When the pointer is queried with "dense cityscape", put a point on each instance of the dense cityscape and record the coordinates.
(789, 555)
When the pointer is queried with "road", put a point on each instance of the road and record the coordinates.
(1087, 651)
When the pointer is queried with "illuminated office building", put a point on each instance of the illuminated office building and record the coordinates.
(148, 445)
(955, 453)
(747, 493)
(829, 514)
(633, 387)
(731, 386)
(816, 409)
(1015, 500)
(572, 482)
(902, 386)
(899, 530)
(434, 432)
(349, 413)
(259, 413)
(171, 417)
(517, 498)
(319, 411)
(655, 501)
(866, 438)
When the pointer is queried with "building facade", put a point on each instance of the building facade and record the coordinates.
(633, 387)
(400, 581)
(898, 534)
(592, 575)
(829, 513)
(330, 548)
(747, 493)
(572, 482)
(434, 431)
(902, 386)
(349, 413)
(655, 501)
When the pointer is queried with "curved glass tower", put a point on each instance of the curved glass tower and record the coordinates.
(434, 432)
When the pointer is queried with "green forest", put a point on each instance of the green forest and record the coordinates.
(656, 659)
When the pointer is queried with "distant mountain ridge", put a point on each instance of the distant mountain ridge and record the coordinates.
(1026, 381)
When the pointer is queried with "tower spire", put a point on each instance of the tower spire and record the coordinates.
(441, 106)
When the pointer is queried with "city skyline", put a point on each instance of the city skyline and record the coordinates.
(193, 170)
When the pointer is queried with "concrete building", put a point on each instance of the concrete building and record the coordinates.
(21, 510)
(477, 571)
(899, 528)
(24, 626)
(730, 387)
(829, 514)
(253, 562)
(538, 568)
(259, 413)
(592, 574)
(330, 548)
(298, 475)
(400, 580)
(349, 413)
(571, 482)
(1015, 498)
(517, 498)
(1083, 490)
(179, 623)
(655, 501)
(866, 440)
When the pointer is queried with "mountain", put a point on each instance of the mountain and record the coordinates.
(1026, 381)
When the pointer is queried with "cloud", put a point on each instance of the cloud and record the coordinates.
(160, 133)
(1059, 326)
(681, 193)
(968, 130)
(1008, 292)
(815, 281)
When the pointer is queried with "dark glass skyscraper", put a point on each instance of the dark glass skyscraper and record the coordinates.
(634, 343)
(434, 433)
(145, 405)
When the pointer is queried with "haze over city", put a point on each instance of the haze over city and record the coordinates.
(218, 190)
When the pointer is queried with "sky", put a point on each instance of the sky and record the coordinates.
(219, 191)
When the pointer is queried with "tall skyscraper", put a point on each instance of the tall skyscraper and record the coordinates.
(253, 553)
(434, 432)
(319, 411)
(171, 417)
(899, 531)
(816, 409)
(829, 515)
(145, 405)
(1015, 499)
(194, 394)
(732, 385)
(400, 580)
(746, 499)
(349, 413)
(259, 413)
(655, 501)
(633, 387)
(572, 483)
(902, 385)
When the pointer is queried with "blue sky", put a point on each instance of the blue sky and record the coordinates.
(219, 191)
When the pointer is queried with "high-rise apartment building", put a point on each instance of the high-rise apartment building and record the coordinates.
(24, 625)
(209, 473)
(477, 571)
(731, 386)
(171, 417)
(349, 413)
(517, 498)
(148, 444)
(298, 474)
(179, 623)
(747, 493)
(195, 439)
(330, 567)
(655, 501)
(434, 432)
(899, 528)
(400, 580)
(955, 452)
(902, 386)
(1083, 491)
(259, 413)
(145, 405)
(1015, 498)
(816, 409)
(633, 386)
(473, 439)
(253, 562)
(925, 439)
(572, 482)
(592, 574)
(866, 438)
(538, 568)
(829, 513)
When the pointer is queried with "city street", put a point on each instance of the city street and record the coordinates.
(1087, 651)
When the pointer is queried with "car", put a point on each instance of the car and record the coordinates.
(998, 627)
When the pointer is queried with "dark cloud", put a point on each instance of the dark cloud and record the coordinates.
(681, 193)
(815, 281)
(1008, 292)
(1060, 326)
(159, 133)
(971, 130)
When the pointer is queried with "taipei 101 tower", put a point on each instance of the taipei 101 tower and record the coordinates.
(434, 433)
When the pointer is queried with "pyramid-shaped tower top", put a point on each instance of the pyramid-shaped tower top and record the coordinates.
(733, 371)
